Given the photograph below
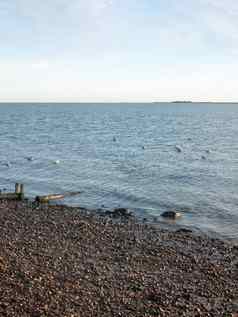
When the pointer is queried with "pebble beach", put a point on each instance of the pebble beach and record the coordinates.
(72, 262)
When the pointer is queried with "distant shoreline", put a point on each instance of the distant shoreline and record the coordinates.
(113, 102)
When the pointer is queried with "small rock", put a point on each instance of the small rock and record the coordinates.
(171, 214)
(184, 230)
(118, 212)
(108, 213)
(121, 212)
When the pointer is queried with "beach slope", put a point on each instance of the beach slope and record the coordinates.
(64, 261)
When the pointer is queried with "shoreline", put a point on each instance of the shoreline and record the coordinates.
(57, 260)
(158, 221)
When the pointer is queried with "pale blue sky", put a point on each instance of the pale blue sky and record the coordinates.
(118, 50)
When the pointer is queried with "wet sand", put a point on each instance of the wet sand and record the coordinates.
(65, 261)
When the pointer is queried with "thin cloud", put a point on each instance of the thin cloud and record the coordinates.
(62, 11)
(40, 65)
(84, 45)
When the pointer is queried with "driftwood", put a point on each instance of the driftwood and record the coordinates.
(47, 198)
(19, 195)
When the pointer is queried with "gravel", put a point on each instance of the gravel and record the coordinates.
(67, 261)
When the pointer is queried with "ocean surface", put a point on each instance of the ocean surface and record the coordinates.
(125, 155)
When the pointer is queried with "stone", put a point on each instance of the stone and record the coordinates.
(184, 230)
(171, 214)
(121, 212)
(118, 213)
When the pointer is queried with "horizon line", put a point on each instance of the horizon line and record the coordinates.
(115, 102)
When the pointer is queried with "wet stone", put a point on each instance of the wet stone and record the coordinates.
(184, 230)
(171, 214)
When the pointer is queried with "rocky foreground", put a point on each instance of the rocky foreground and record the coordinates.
(62, 261)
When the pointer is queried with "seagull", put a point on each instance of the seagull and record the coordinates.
(57, 161)
(178, 149)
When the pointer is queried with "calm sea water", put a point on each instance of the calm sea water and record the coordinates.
(124, 155)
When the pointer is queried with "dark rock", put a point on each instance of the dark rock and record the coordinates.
(118, 213)
(121, 212)
(171, 214)
(108, 213)
(184, 230)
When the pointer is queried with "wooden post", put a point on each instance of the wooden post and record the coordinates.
(17, 188)
(21, 194)
(22, 188)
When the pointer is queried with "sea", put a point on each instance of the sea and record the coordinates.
(148, 157)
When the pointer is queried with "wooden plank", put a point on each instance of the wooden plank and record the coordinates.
(47, 198)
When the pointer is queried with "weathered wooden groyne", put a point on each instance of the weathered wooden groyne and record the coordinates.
(19, 195)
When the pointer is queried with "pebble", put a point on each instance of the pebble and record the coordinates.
(58, 261)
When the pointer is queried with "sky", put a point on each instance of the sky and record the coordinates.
(118, 50)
